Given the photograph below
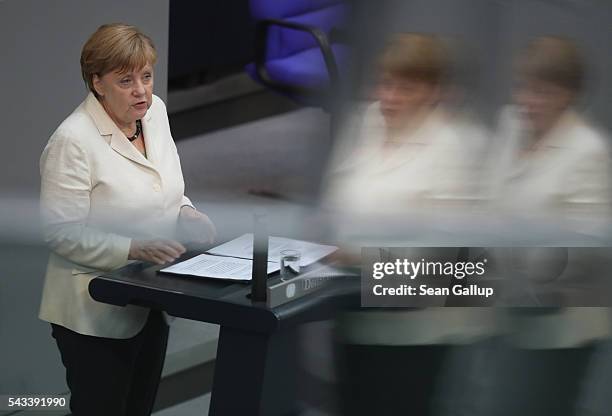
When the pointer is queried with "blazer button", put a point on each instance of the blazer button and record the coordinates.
(156, 187)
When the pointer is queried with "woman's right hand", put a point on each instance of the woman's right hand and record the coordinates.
(158, 251)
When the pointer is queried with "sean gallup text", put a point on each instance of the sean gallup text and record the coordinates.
(425, 290)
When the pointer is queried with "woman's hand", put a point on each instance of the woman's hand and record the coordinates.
(158, 251)
(195, 227)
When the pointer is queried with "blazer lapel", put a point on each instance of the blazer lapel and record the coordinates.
(118, 142)
(121, 145)
(151, 133)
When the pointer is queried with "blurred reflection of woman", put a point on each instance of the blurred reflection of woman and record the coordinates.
(404, 160)
(553, 172)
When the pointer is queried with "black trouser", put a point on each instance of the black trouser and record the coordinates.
(539, 382)
(113, 376)
(390, 380)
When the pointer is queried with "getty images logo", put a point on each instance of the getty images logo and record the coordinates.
(414, 269)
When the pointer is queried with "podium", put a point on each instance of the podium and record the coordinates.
(255, 370)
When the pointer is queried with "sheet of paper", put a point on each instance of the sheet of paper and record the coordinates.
(217, 267)
(243, 247)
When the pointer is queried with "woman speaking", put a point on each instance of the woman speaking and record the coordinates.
(112, 191)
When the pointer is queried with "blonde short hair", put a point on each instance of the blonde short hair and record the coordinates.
(552, 59)
(416, 56)
(115, 47)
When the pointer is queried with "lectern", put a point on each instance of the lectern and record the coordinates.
(256, 357)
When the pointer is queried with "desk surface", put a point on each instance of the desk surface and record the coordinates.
(218, 301)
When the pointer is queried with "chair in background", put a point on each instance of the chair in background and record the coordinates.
(298, 48)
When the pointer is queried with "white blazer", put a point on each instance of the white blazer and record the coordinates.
(97, 193)
(432, 163)
(376, 191)
(564, 181)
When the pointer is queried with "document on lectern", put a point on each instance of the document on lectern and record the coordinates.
(242, 247)
(216, 267)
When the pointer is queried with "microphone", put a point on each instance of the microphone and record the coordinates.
(259, 275)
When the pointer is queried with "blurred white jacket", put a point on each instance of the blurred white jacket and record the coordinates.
(432, 163)
(565, 181)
